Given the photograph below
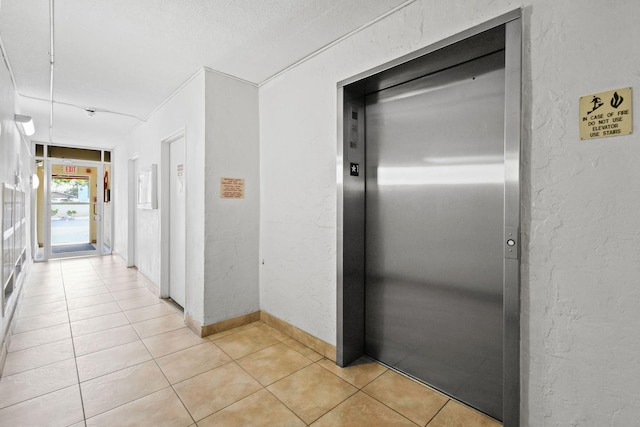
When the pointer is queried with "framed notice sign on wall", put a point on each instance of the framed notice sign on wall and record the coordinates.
(147, 189)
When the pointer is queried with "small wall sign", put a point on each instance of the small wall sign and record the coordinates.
(232, 188)
(606, 114)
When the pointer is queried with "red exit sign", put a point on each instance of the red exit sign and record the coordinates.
(71, 169)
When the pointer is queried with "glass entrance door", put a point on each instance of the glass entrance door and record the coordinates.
(74, 195)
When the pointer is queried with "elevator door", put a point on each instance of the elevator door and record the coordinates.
(434, 230)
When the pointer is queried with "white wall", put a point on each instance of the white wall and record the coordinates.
(219, 115)
(184, 111)
(580, 291)
(232, 151)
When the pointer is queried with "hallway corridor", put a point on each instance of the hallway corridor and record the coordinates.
(92, 346)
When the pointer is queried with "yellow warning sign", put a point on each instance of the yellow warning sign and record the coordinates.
(232, 188)
(606, 114)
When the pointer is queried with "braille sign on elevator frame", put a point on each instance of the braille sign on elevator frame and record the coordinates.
(606, 114)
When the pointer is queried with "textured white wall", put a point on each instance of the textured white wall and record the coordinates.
(581, 259)
(184, 111)
(220, 118)
(232, 151)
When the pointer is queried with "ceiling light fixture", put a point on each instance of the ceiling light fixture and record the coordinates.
(25, 124)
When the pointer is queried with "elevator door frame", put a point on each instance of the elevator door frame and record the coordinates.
(503, 32)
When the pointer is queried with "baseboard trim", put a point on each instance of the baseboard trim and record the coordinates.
(223, 325)
(316, 344)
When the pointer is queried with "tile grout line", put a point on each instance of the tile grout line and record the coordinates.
(137, 364)
(73, 344)
(394, 410)
(291, 409)
(234, 361)
(263, 386)
(361, 390)
(436, 414)
(163, 373)
(153, 358)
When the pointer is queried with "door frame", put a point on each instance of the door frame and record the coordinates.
(99, 204)
(165, 175)
(504, 32)
(132, 208)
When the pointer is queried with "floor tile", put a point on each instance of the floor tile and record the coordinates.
(359, 373)
(81, 283)
(455, 414)
(415, 401)
(35, 357)
(40, 309)
(59, 408)
(42, 321)
(117, 275)
(159, 325)
(117, 388)
(37, 382)
(85, 292)
(42, 299)
(162, 408)
(39, 279)
(81, 280)
(78, 275)
(130, 304)
(152, 311)
(102, 340)
(39, 336)
(222, 334)
(193, 361)
(245, 342)
(312, 392)
(170, 342)
(126, 285)
(251, 375)
(97, 324)
(132, 293)
(215, 389)
(232, 331)
(49, 288)
(112, 359)
(303, 349)
(273, 363)
(362, 410)
(280, 336)
(40, 273)
(89, 301)
(93, 311)
(259, 409)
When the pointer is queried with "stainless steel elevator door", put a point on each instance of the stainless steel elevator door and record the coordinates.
(434, 230)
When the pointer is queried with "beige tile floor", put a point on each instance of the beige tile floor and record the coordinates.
(92, 346)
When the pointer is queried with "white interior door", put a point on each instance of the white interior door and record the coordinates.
(177, 229)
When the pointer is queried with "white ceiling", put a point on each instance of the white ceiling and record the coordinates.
(128, 56)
